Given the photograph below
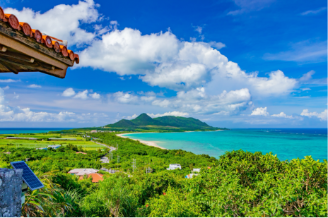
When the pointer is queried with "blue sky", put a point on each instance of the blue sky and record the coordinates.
(230, 63)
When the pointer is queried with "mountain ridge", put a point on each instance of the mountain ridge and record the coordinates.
(164, 123)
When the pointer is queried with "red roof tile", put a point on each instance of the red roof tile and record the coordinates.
(96, 177)
(51, 42)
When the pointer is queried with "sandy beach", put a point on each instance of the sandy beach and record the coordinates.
(149, 143)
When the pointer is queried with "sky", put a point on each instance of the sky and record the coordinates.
(229, 63)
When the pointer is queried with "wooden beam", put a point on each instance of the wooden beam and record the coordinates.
(61, 73)
(15, 35)
(31, 66)
(3, 48)
(17, 56)
(56, 72)
(10, 67)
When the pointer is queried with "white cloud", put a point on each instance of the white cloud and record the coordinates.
(125, 98)
(5, 88)
(307, 76)
(321, 116)
(199, 29)
(34, 86)
(8, 81)
(193, 101)
(147, 98)
(62, 21)
(18, 114)
(314, 11)
(305, 89)
(130, 117)
(250, 5)
(68, 92)
(217, 45)
(95, 95)
(260, 111)
(16, 96)
(283, 115)
(173, 113)
(304, 51)
(82, 95)
(276, 84)
(163, 60)
(307, 79)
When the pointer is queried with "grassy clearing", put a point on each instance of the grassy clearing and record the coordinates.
(18, 143)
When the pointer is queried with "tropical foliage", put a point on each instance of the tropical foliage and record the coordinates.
(238, 183)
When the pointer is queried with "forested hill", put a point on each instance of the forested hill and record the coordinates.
(165, 123)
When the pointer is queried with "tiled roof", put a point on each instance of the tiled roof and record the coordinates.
(58, 45)
(96, 177)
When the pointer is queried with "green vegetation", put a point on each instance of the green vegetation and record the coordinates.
(42, 141)
(237, 184)
(160, 124)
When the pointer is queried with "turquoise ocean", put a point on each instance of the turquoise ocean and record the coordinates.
(287, 144)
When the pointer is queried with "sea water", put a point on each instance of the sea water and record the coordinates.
(287, 144)
(28, 130)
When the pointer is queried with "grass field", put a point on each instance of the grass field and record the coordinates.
(23, 143)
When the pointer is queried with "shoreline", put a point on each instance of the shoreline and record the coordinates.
(148, 143)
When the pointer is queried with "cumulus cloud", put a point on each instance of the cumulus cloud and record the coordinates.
(130, 117)
(125, 98)
(193, 101)
(82, 95)
(321, 116)
(62, 21)
(282, 115)
(8, 81)
(276, 84)
(95, 95)
(18, 114)
(34, 86)
(68, 92)
(173, 113)
(260, 111)
(163, 60)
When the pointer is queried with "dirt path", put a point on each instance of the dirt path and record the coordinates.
(110, 147)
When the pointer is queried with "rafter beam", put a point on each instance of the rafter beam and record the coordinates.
(17, 56)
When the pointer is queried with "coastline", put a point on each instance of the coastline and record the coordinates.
(148, 143)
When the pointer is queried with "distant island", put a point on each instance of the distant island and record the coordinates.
(161, 124)
(144, 123)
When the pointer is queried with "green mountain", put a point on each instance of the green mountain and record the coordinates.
(167, 123)
(145, 120)
(123, 123)
(182, 122)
